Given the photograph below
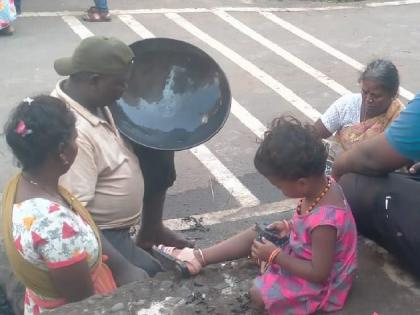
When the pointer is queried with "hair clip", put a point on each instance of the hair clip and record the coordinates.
(22, 130)
(28, 100)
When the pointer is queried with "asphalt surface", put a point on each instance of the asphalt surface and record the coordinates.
(362, 32)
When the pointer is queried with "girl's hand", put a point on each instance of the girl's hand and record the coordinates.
(280, 228)
(262, 249)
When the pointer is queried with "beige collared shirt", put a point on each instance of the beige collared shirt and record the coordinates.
(106, 176)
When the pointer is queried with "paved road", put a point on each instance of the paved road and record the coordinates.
(277, 60)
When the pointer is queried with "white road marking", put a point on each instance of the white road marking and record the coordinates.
(231, 215)
(136, 26)
(391, 3)
(227, 9)
(318, 75)
(325, 47)
(77, 26)
(256, 72)
(220, 172)
(225, 177)
(248, 119)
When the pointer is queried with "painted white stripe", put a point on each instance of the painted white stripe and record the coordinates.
(325, 47)
(248, 119)
(189, 10)
(391, 3)
(277, 9)
(225, 177)
(227, 9)
(318, 75)
(232, 215)
(77, 26)
(137, 27)
(262, 76)
(220, 172)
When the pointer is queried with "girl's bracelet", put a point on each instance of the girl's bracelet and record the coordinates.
(273, 255)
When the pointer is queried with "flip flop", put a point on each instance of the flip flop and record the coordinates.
(7, 31)
(95, 15)
(184, 263)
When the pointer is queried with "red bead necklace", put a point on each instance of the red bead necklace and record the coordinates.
(317, 199)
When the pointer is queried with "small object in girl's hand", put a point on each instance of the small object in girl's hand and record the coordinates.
(265, 233)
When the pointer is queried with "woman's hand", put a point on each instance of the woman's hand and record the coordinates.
(280, 227)
(262, 249)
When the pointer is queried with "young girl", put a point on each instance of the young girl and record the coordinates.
(314, 271)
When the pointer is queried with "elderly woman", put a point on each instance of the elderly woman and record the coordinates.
(52, 243)
(7, 16)
(356, 117)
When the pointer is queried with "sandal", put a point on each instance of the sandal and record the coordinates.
(96, 15)
(7, 31)
(183, 262)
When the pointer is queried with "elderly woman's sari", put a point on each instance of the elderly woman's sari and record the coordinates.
(345, 138)
(7, 13)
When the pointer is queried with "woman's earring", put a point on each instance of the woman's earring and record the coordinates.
(63, 158)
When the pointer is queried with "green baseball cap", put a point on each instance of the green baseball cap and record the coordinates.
(96, 54)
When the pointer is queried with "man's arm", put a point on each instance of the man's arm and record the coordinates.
(374, 156)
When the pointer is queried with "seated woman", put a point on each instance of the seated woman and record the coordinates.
(356, 117)
(52, 243)
(315, 269)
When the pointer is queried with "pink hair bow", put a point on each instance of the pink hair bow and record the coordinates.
(22, 130)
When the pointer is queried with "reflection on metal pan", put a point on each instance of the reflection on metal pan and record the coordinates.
(177, 97)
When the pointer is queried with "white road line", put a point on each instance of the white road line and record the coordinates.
(324, 46)
(220, 172)
(291, 9)
(225, 177)
(262, 76)
(136, 27)
(227, 9)
(231, 215)
(248, 119)
(318, 75)
(77, 26)
(391, 3)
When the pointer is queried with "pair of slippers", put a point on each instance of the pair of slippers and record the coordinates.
(96, 15)
(7, 31)
(184, 262)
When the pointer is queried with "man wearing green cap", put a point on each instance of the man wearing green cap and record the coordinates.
(106, 175)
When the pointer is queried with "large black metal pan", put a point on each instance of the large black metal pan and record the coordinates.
(177, 97)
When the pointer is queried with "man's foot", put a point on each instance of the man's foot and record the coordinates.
(7, 31)
(166, 237)
(96, 15)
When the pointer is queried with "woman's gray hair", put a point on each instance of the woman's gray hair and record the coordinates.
(385, 73)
